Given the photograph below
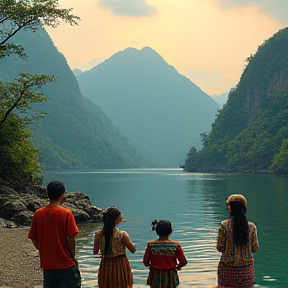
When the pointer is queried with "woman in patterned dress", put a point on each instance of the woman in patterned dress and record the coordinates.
(164, 257)
(237, 240)
(114, 270)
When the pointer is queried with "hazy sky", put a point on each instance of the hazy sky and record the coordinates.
(206, 40)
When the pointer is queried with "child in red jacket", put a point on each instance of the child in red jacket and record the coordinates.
(164, 257)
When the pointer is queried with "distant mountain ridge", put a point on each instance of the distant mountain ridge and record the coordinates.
(250, 134)
(160, 111)
(221, 99)
(76, 133)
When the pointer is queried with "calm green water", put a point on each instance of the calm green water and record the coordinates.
(195, 204)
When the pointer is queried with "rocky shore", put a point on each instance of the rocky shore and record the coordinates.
(20, 264)
(18, 206)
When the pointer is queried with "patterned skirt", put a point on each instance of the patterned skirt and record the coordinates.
(115, 272)
(163, 278)
(230, 276)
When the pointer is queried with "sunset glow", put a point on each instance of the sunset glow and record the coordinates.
(207, 41)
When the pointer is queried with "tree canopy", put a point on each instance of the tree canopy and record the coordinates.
(28, 14)
(19, 95)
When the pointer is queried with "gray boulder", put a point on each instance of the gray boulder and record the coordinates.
(19, 207)
(23, 218)
(82, 208)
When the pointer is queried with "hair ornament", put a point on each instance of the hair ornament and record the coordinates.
(236, 198)
(154, 224)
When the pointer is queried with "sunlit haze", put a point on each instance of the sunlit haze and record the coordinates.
(205, 40)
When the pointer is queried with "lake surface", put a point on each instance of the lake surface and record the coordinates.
(195, 205)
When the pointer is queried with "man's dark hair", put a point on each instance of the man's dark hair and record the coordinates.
(55, 189)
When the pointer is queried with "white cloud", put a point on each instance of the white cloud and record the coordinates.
(277, 10)
(128, 7)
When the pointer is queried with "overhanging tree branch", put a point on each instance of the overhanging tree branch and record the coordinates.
(16, 15)
(20, 93)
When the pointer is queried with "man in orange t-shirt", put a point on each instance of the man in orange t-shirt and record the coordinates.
(53, 232)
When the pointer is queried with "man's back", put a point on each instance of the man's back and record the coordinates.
(51, 225)
(52, 232)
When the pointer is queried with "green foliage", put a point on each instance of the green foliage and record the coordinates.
(193, 163)
(20, 94)
(280, 161)
(28, 14)
(19, 158)
(250, 132)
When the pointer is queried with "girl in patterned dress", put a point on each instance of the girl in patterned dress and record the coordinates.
(114, 270)
(237, 240)
(163, 257)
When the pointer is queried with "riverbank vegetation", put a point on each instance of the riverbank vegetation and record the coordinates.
(250, 133)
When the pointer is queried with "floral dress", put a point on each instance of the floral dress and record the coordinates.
(114, 270)
(236, 266)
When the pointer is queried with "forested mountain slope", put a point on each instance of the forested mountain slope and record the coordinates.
(75, 133)
(159, 110)
(251, 131)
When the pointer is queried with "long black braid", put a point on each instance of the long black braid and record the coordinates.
(240, 223)
(109, 217)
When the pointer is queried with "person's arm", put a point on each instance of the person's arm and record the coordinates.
(127, 242)
(35, 243)
(146, 258)
(221, 242)
(71, 232)
(96, 243)
(32, 234)
(255, 244)
(182, 261)
(71, 245)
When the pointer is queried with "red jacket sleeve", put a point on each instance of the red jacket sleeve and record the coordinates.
(180, 257)
(147, 256)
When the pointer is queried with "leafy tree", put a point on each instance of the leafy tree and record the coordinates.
(19, 95)
(203, 137)
(19, 159)
(28, 14)
(280, 162)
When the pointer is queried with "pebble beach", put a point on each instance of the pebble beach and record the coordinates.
(20, 266)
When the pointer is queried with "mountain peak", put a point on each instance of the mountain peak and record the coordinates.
(146, 54)
(160, 111)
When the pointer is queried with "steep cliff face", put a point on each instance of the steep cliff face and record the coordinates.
(265, 75)
(251, 128)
